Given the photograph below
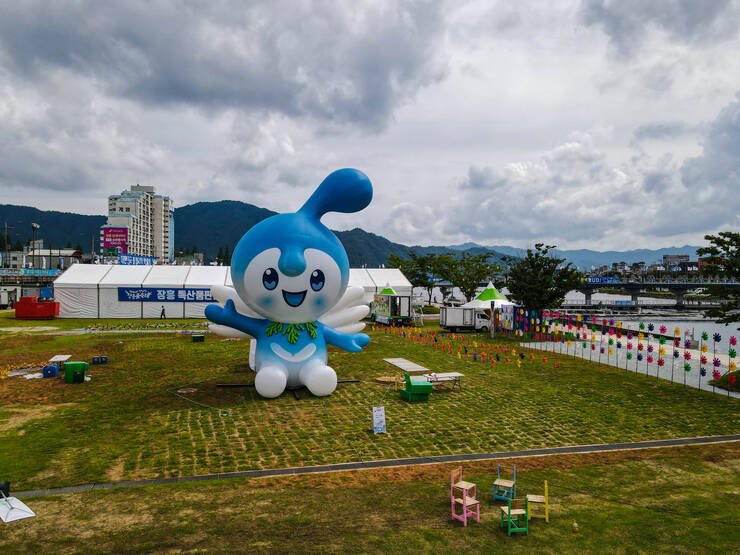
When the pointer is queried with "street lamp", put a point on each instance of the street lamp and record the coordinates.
(34, 227)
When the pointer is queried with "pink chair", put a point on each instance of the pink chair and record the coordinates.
(463, 493)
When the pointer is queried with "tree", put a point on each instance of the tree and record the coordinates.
(415, 268)
(468, 271)
(69, 245)
(722, 259)
(539, 281)
(220, 256)
(227, 256)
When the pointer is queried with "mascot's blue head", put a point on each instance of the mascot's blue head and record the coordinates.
(290, 267)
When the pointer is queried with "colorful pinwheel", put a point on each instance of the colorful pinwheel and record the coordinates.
(733, 366)
(651, 327)
(661, 362)
(687, 367)
(676, 354)
(663, 329)
(703, 359)
(716, 363)
(687, 344)
(642, 325)
(640, 346)
(629, 346)
(619, 344)
(716, 375)
(733, 340)
(661, 351)
(639, 356)
(686, 355)
(650, 359)
(650, 349)
(703, 372)
(629, 356)
(717, 338)
(703, 347)
(704, 336)
(661, 340)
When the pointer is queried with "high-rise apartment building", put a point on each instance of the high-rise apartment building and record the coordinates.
(140, 222)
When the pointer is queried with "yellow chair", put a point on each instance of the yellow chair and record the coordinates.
(541, 500)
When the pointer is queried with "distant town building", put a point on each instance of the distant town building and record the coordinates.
(670, 260)
(619, 266)
(637, 267)
(140, 222)
(36, 256)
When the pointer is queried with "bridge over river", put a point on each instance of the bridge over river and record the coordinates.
(677, 286)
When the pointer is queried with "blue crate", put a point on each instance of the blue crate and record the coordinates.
(51, 371)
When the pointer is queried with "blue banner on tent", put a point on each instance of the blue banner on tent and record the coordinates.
(165, 295)
(136, 259)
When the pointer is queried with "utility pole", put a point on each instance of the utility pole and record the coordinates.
(34, 227)
(7, 244)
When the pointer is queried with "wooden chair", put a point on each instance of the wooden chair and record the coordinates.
(503, 488)
(460, 494)
(515, 516)
(415, 391)
(541, 500)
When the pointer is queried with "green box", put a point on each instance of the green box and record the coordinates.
(197, 338)
(74, 367)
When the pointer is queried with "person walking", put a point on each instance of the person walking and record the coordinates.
(162, 315)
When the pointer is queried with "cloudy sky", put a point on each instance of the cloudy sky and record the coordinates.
(587, 124)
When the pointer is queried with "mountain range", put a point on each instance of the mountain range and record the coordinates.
(209, 226)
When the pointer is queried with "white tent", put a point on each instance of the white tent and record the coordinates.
(121, 276)
(77, 290)
(165, 277)
(393, 278)
(477, 303)
(203, 277)
(358, 277)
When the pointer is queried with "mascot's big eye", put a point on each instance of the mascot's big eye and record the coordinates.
(317, 280)
(270, 279)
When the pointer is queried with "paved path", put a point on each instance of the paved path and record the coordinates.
(388, 463)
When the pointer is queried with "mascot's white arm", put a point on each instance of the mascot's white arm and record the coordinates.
(345, 316)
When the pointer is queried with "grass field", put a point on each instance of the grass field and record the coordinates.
(155, 411)
(681, 500)
(127, 422)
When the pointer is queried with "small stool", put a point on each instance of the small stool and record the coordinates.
(103, 359)
(96, 360)
(197, 338)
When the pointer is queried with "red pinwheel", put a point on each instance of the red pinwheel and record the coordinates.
(661, 362)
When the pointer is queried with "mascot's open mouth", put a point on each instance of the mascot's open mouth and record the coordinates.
(294, 299)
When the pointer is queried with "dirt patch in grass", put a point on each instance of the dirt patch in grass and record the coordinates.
(20, 416)
(115, 472)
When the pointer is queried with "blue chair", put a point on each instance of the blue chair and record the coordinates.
(503, 488)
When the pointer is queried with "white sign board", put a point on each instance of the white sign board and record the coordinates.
(378, 420)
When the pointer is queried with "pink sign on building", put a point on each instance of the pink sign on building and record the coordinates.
(115, 237)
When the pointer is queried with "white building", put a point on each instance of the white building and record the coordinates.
(140, 222)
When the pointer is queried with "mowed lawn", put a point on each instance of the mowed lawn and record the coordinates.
(136, 418)
(678, 500)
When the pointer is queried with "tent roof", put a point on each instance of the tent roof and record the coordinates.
(125, 276)
(206, 276)
(82, 275)
(166, 276)
(490, 293)
(387, 291)
(358, 277)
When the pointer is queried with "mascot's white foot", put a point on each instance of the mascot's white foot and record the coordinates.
(271, 380)
(320, 379)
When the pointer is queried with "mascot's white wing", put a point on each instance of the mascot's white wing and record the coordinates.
(346, 316)
(223, 293)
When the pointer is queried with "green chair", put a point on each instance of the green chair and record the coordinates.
(415, 391)
(515, 516)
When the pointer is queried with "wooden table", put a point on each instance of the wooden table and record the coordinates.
(440, 380)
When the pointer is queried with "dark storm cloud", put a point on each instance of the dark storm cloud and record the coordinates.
(332, 62)
(627, 22)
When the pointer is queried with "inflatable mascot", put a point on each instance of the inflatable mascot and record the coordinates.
(290, 275)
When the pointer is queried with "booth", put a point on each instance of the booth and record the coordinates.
(163, 282)
(201, 278)
(76, 290)
(112, 303)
